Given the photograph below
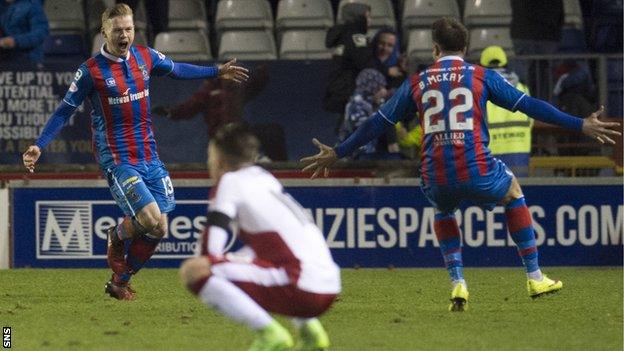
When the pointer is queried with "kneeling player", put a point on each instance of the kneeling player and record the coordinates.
(288, 268)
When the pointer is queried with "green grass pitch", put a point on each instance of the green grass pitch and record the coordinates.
(401, 309)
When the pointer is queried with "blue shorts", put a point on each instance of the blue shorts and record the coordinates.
(486, 191)
(135, 186)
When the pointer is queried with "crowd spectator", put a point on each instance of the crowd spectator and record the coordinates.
(23, 29)
(536, 30)
(370, 93)
(510, 132)
(388, 57)
(352, 53)
(222, 102)
(409, 137)
(575, 90)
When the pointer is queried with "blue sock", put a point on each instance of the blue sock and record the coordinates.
(447, 232)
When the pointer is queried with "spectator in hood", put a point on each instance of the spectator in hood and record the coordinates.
(370, 93)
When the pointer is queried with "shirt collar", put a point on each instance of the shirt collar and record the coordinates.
(112, 57)
(450, 57)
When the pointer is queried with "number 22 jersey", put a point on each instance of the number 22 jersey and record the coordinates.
(449, 99)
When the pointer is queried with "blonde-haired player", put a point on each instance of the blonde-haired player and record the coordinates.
(116, 81)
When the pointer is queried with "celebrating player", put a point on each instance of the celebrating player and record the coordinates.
(456, 166)
(117, 83)
(287, 267)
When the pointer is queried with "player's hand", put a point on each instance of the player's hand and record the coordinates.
(30, 157)
(321, 161)
(601, 131)
(231, 72)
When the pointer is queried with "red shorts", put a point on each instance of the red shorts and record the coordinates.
(271, 288)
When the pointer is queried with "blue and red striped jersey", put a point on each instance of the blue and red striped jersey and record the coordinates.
(119, 93)
(449, 99)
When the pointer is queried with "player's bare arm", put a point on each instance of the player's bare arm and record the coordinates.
(320, 162)
(599, 130)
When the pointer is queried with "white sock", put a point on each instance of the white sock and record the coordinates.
(536, 275)
(462, 281)
(231, 301)
(300, 322)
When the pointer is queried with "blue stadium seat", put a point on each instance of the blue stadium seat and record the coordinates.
(64, 46)
(572, 41)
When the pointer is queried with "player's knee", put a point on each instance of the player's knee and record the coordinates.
(149, 217)
(194, 273)
(514, 192)
(161, 228)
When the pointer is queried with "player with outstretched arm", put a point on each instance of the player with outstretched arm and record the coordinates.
(117, 83)
(449, 99)
(285, 266)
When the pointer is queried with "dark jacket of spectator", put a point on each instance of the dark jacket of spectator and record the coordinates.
(26, 23)
(537, 20)
(352, 53)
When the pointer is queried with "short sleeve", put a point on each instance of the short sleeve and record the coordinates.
(80, 87)
(162, 65)
(400, 104)
(501, 92)
(227, 196)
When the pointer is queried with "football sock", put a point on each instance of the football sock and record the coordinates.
(129, 228)
(234, 303)
(521, 231)
(141, 249)
(447, 232)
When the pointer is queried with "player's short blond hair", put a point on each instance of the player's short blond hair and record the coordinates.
(119, 10)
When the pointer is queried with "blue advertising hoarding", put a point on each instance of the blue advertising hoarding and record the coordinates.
(366, 226)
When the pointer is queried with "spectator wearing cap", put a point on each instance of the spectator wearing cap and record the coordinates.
(510, 132)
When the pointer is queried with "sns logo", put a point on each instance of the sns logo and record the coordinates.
(110, 82)
(64, 229)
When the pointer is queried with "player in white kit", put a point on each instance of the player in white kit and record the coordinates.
(285, 266)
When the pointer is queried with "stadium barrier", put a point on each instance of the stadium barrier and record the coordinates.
(367, 222)
(4, 228)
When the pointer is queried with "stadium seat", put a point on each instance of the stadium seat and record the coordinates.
(481, 38)
(247, 45)
(96, 7)
(422, 13)
(98, 41)
(572, 41)
(187, 14)
(184, 45)
(382, 13)
(573, 16)
(65, 16)
(304, 45)
(300, 14)
(66, 46)
(481, 13)
(243, 15)
(419, 45)
(94, 13)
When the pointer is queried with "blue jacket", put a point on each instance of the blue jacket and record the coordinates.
(26, 22)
